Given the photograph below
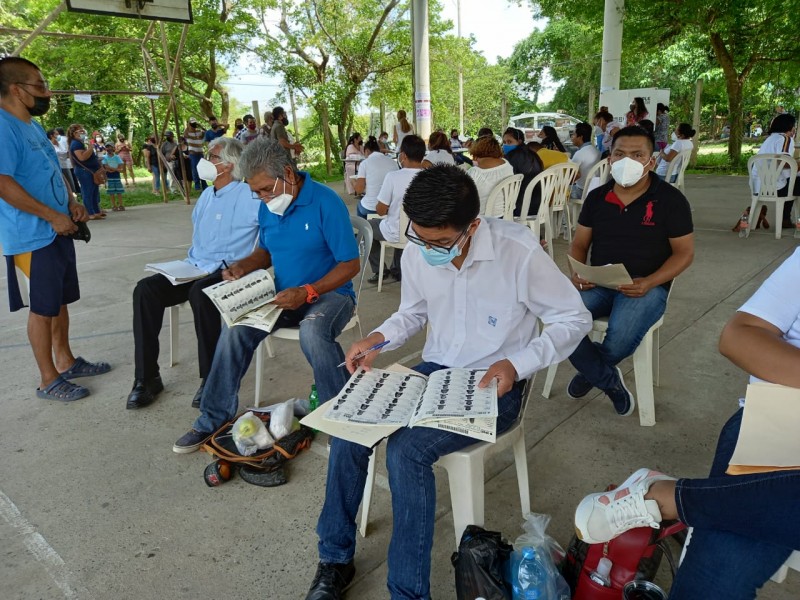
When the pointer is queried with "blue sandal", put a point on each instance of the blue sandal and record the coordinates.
(62, 390)
(83, 368)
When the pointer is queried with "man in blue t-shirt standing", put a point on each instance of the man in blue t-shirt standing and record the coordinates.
(37, 215)
(306, 235)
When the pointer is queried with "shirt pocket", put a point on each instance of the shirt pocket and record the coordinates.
(493, 321)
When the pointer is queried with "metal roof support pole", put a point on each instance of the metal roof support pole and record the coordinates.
(42, 26)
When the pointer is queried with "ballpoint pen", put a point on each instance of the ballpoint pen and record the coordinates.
(365, 352)
(225, 264)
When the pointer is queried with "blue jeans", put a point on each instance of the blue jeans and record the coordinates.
(363, 212)
(410, 454)
(628, 322)
(156, 177)
(194, 159)
(745, 526)
(320, 325)
(90, 192)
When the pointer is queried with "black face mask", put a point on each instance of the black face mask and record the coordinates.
(285, 120)
(193, 125)
(41, 104)
(239, 127)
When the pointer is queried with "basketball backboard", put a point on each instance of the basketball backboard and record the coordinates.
(155, 10)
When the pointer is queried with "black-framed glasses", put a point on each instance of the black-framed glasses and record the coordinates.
(210, 156)
(435, 247)
(43, 87)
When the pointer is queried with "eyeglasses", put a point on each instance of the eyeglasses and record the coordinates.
(266, 194)
(43, 87)
(210, 156)
(435, 247)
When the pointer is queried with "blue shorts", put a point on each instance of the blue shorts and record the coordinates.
(52, 278)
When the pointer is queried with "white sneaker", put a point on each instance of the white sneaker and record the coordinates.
(602, 517)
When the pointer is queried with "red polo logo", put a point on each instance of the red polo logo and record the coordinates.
(648, 215)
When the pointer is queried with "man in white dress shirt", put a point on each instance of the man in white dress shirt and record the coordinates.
(480, 285)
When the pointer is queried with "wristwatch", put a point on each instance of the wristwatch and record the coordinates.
(311, 294)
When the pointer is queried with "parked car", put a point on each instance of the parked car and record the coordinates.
(532, 123)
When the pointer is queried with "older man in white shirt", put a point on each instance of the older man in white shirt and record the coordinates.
(225, 221)
(481, 285)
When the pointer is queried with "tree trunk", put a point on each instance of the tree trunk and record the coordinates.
(325, 124)
(734, 84)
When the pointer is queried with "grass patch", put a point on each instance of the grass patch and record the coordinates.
(712, 159)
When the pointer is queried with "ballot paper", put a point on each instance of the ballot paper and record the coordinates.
(177, 271)
(374, 404)
(247, 300)
(768, 437)
(607, 276)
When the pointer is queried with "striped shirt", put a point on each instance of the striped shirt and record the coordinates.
(194, 140)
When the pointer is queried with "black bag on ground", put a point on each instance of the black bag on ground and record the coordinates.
(480, 564)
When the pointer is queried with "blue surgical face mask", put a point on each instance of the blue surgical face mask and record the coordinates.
(435, 258)
(509, 147)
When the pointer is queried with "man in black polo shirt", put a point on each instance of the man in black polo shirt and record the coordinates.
(645, 224)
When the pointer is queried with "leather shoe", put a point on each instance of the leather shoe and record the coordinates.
(144, 392)
(198, 395)
(331, 581)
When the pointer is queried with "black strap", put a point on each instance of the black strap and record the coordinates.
(83, 166)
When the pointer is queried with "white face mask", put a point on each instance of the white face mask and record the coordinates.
(627, 172)
(279, 204)
(206, 170)
(674, 137)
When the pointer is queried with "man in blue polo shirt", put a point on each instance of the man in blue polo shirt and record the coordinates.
(306, 235)
(646, 224)
(215, 130)
(37, 215)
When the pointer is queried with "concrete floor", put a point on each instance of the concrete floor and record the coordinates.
(95, 504)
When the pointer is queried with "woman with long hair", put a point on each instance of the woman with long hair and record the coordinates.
(85, 163)
(401, 129)
(353, 153)
(637, 112)
(551, 141)
(662, 125)
(490, 168)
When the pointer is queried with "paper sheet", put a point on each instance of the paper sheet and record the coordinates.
(607, 276)
(234, 299)
(768, 438)
(177, 271)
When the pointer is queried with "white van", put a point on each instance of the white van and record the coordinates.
(532, 123)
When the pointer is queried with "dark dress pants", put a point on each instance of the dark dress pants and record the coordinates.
(151, 297)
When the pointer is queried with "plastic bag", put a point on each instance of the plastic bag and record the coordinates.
(280, 422)
(549, 550)
(250, 434)
(480, 564)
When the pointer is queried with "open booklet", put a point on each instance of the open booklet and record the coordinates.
(247, 300)
(374, 404)
(607, 276)
(177, 271)
(768, 437)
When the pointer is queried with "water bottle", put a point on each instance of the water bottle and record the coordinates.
(743, 225)
(531, 580)
(313, 399)
(602, 575)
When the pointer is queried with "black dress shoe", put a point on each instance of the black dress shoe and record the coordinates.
(331, 581)
(198, 395)
(144, 392)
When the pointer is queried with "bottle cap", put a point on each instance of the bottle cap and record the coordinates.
(528, 552)
(604, 567)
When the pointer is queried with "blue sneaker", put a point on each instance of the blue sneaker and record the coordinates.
(621, 397)
(190, 441)
(579, 387)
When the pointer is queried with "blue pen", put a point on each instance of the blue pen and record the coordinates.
(224, 264)
(365, 352)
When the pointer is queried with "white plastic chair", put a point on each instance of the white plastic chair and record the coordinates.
(547, 181)
(677, 167)
(465, 474)
(600, 171)
(397, 245)
(558, 205)
(174, 333)
(364, 240)
(503, 198)
(645, 366)
(764, 170)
